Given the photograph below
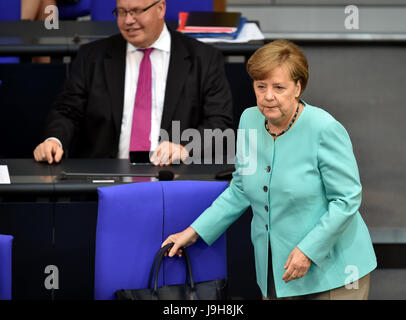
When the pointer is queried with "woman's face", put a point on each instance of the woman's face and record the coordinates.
(277, 95)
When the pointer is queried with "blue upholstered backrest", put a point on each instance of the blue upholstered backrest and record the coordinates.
(10, 10)
(174, 6)
(101, 9)
(73, 11)
(133, 221)
(6, 243)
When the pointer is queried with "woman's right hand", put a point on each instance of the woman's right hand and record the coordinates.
(182, 239)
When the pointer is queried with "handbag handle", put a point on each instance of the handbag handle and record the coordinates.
(158, 261)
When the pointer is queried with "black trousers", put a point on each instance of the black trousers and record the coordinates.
(271, 283)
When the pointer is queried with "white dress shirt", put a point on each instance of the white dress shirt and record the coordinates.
(159, 67)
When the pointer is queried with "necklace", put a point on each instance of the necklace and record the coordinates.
(290, 124)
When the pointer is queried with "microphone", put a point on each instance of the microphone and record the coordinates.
(162, 175)
(165, 175)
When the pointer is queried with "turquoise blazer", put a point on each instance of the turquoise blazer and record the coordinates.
(305, 191)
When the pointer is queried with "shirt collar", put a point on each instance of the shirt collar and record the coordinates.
(163, 43)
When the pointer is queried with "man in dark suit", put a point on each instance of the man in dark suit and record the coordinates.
(95, 110)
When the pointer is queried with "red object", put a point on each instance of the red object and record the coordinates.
(183, 16)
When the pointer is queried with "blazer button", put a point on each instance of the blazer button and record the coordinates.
(266, 208)
(268, 168)
(265, 188)
(266, 227)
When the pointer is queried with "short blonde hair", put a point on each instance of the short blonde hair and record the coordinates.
(275, 54)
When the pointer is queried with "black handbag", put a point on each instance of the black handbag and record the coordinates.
(207, 290)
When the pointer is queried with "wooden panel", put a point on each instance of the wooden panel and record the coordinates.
(219, 5)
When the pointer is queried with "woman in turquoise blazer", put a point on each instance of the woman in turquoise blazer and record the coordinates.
(295, 167)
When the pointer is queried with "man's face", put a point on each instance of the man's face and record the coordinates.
(141, 28)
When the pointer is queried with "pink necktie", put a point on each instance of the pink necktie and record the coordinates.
(141, 124)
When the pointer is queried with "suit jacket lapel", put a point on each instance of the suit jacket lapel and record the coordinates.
(179, 65)
(114, 67)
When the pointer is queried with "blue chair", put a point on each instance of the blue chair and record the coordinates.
(133, 221)
(101, 10)
(174, 6)
(73, 11)
(10, 10)
(6, 243)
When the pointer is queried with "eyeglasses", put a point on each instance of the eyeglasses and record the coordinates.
(122, 13)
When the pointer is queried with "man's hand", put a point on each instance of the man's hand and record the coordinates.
(296, 266)
(168, 153)
(181, 239)
(49, 150)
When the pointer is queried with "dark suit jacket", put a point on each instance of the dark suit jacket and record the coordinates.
(88, 113)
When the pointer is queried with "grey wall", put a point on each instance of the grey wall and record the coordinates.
(363, 87)
(277, 21)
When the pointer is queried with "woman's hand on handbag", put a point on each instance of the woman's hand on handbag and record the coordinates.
(182, 239)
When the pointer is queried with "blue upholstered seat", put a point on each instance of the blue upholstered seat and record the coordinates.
(6, 243)
(133, 221)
